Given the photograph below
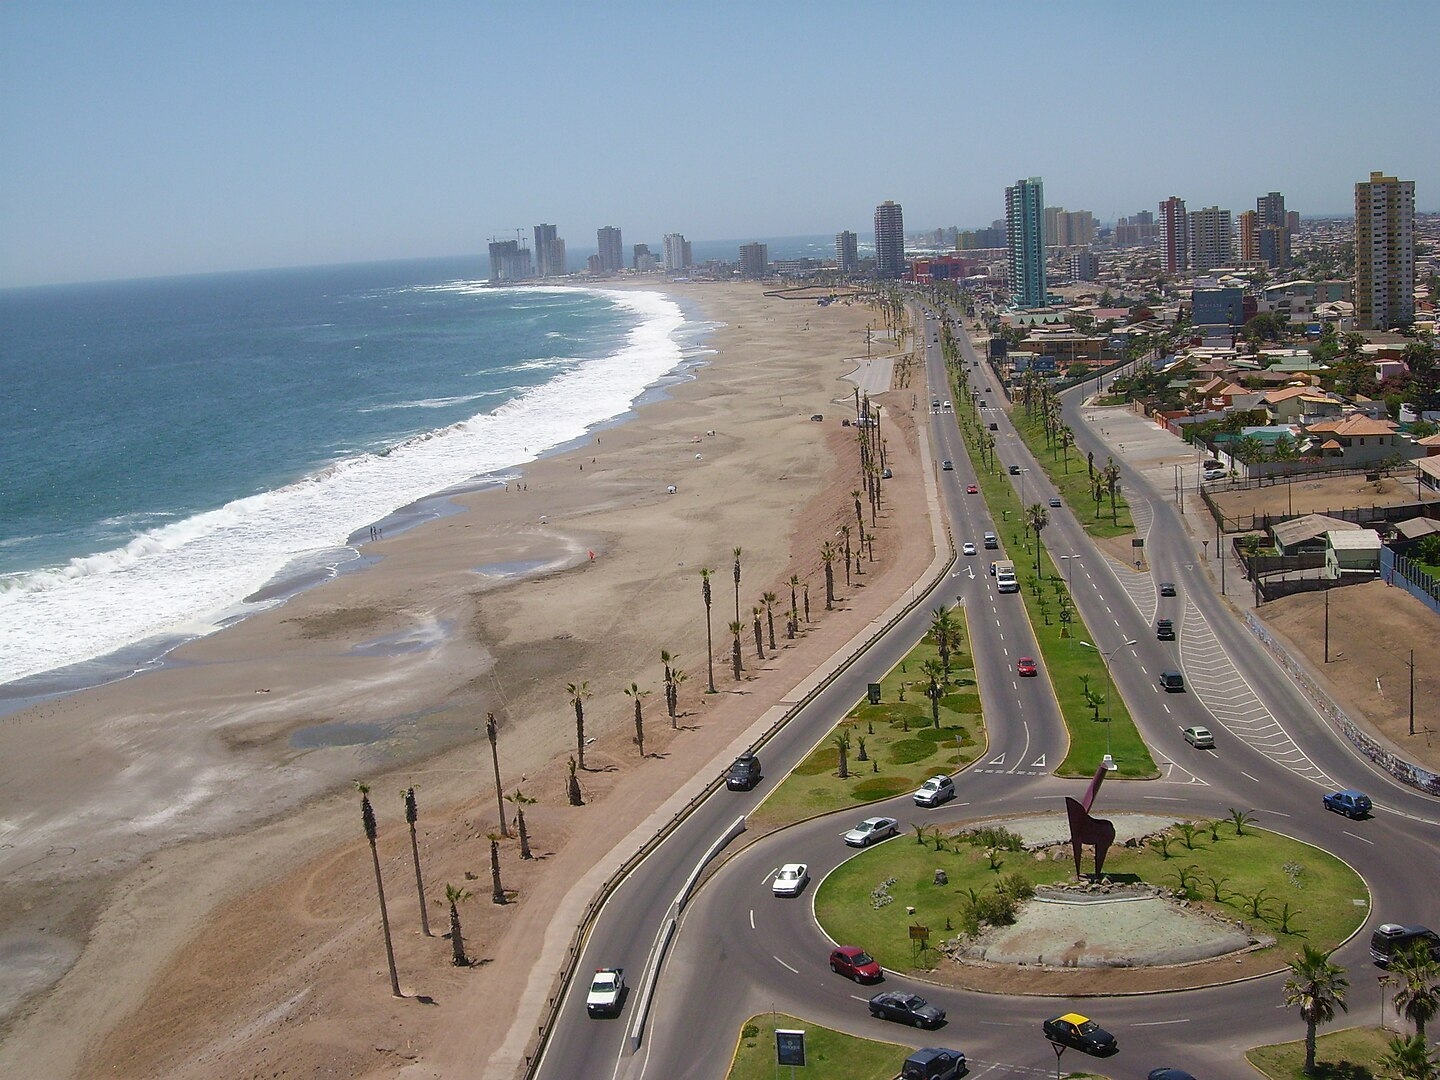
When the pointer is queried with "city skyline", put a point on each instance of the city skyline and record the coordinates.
(155, 140)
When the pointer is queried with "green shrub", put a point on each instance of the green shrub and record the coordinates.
(1016, 886)
(909, 751)
(993, 836)
(879, 787)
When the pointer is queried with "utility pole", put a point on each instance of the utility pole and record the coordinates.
(1327, 626)
(1412, 691)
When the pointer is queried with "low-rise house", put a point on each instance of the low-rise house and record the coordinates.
(1355, 438)
(1411, 531)
(1352, 552)
(1307, 534)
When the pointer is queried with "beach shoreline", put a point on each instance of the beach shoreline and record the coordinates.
(418, 648)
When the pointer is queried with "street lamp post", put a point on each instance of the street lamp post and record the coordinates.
(1109, 686)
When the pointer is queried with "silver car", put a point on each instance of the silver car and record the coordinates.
(935, 791)
(871, 830)
(790, 880)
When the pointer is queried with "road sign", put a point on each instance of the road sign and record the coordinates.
(789, 1047)
(873, 690)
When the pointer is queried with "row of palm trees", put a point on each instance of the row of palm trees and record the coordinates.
(1317, 987)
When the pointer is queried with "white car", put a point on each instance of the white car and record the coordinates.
(967, 548)
(790, 880)
(870, 830)
(935, 791)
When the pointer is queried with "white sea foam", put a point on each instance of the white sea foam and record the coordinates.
(188, 578)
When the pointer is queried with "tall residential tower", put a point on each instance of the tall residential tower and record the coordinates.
(1174, 236)
(612, 251)
(1025, 241)
(889, 240)
(847, 252)
(1384, 252)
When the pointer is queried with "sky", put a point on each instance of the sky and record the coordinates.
(146, 139)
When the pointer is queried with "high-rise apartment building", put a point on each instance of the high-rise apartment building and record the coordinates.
(1270, 209)
(889, 240)
(1209, 239)
(847, 252)
(1025, 241)
(509, 261)
(1249, 237)
(1272, 245)
(754, 260)
(1384, 252)
(544, 243)
(1084, 266)
(612, 251)
(677, 252)
(1174, 236)
(641, 259)
(1054, 231)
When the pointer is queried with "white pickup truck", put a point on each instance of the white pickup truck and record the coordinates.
(607, 991)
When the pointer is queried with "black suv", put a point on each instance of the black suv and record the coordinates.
(744, 774)
(1165, 629)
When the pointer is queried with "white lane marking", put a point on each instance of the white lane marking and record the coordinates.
(1161, 1023)
(1277, 813)
(1161, 798)
(770, 876)
(1248, 776)
(752, 918)
(1360, 838)
(997, 760)
(783, 964)
(1038, 763)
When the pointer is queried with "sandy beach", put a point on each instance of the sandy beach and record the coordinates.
(187, 891)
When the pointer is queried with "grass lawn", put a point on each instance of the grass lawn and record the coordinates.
(836, 1054)
(1318, 888)
(1074, 482)
(1352, 1054)
(902, 746)
(1071, 667)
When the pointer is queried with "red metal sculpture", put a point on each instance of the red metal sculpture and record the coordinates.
(1085, 829)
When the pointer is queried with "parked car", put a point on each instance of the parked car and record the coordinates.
(744, 773)
(948, 465)
(934, 1063)
(1167, 588)
(791, 879)
(817, 417)
(1213, 474)
(887, 474)
(1165, 629)
(1351, 803)
(1025, 667)
(1391, 939)
(870, 831)
(1080, 1032)
(1200, 737)
(935, 791)
(1172, 682)
(855, 963)
(967, 548)
(906, 1009)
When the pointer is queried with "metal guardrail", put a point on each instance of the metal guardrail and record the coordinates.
(567, 972)
(1404, 771)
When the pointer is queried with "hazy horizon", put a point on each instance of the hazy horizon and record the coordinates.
(159, 139)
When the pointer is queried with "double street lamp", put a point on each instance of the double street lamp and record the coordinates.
(1109, 686)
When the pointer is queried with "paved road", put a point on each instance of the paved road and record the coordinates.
(739, 951)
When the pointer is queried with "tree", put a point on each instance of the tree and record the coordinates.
(412, 814)
(1317, 987)
(737, 583)
(935, 673)
(672, 684)
(755, 613)
(845, 536)
(794, 584)
(635, 694)
(735, 629)
(578, 692)
(455, 896)
(1418, 997)
(942, 629)
(1036, 518)
(769, 599)
(1111, 476)
(490, 733)
(367, 818)
(827, 556)
(842, 745)
(1408, 1058)
(497, 891)
(520, 801)
(572, 787)
(709, 640)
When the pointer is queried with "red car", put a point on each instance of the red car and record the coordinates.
(972, 490)
(1025, 665)
(855, 963)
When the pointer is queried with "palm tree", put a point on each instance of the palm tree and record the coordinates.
(737, 583)
(1408, 1058)
(769, 599)
(942, 629)
(1067, 440)
(456, 895)
(578, 692)
(1418, 997)
(367, 818)
(935, 672)
(634, 693)
(1036, 518)
(845, 535)
(497, 891)
(805, 598)
(490, 733)
(572, 787)
(842, 745)
(1111, 476)
(755, 613)
(735, 629)
(1318, 987)
(827, 556)
(672, 683)
(859, 513)
(412, 814)
(709, 641)
(521, 800)
(794, 584)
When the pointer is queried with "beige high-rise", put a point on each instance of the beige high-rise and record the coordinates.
(1384, 252)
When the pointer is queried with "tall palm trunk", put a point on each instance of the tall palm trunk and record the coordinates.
(457, 895)
(735, 629)
(367, 817)
(490, 734)
(737, 584)
(709, 637)
(497, 891)
(759, 640)
(412, 814)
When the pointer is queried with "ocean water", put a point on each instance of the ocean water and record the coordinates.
(171, 448)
